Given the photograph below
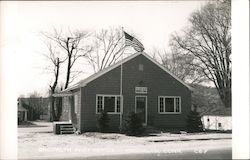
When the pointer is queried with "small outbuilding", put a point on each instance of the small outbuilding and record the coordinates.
(219, 119)
(22, 113)
(138, 83)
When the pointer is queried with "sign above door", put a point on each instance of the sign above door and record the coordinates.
(141, 90)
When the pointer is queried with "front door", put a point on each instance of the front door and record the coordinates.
(141, 108)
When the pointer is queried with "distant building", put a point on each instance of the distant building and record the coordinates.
(37, 107)
(218, 119)
(22, 114)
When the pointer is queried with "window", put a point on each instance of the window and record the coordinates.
(219, 125)
(141, 67)
(169, 104)
(108, 103)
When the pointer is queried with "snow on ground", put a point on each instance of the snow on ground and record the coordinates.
(40, 142)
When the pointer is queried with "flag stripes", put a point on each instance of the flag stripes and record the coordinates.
(133, 42)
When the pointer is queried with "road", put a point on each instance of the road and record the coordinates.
(225, 153)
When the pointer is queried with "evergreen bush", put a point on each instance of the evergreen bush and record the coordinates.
(194, 123)
(133, 125)
(103, 121)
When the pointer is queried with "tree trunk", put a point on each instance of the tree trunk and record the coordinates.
(52, 108)
(52, 91)
(68, 73)
(225, 95)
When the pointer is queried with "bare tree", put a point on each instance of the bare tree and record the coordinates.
(180, 65)
(208, 39)
(109, 47)
(63, 47)
(53, 57)
(34, 94)
(73, 47)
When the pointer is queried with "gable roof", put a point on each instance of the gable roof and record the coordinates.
(21, 108)
(94, 76)
(219, 112)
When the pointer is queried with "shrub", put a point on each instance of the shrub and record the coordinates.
(103, 121)
(194, 123)
(133, 125)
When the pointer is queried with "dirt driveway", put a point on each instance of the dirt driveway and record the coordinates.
(39, 142)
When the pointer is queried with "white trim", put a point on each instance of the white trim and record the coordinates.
(80, 110)
(84, 82)
(68, 100)
(108, 95)
(121, 102)
(76, 104)
(164, 105)
(62, 94)
(146, 108)
(121, 110)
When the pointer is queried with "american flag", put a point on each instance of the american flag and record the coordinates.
(133, 42)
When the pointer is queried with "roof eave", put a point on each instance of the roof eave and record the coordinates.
(64, 94)
(94, 76)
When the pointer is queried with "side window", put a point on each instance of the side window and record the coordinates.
(108, 103)
(169, 104)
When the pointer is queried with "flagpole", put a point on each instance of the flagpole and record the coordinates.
(137, 45)
(121, 96)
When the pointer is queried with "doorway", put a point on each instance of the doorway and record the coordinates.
(141, 108)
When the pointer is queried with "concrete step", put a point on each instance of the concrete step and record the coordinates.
(66, 129)
(67, 132)
(66, 126)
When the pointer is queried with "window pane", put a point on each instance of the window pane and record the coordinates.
(161, 104)
(99, 104)
(118, 104)
(169, 104)
(177, 101)
(109, 104)
(140, 104)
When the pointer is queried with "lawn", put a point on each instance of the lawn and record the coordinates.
(40, 142)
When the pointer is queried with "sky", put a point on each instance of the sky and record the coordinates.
(22, 23)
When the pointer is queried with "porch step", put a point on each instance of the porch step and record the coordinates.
(66, 129)
(67, 132)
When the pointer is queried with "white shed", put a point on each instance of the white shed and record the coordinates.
(220, 119)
